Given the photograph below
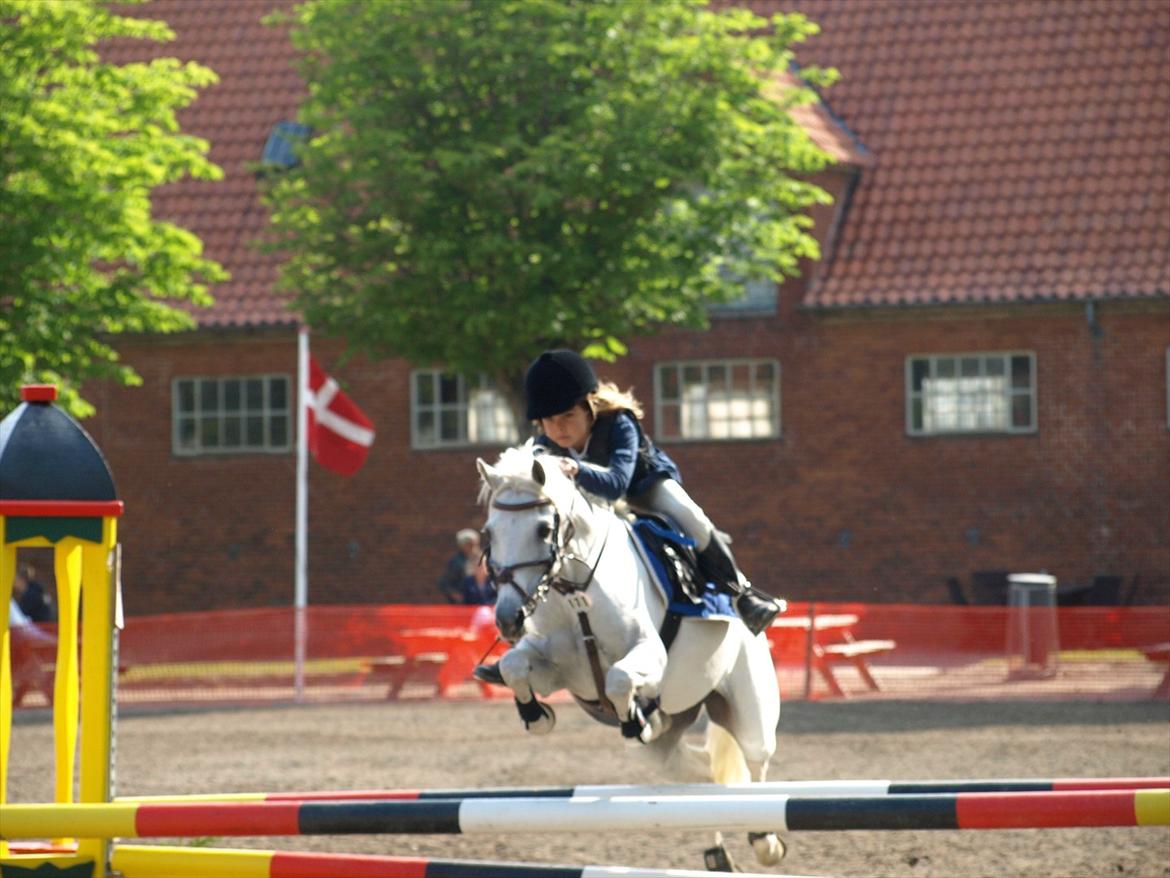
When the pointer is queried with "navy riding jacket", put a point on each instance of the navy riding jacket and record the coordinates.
(619, 460)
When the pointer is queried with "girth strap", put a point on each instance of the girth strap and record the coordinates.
(669, 629)
(580, 602)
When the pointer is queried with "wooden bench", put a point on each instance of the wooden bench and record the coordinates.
(1159, 652)
(34, 662)
(398, 670)
(855, 651)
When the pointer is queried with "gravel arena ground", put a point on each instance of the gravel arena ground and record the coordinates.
(464, 743)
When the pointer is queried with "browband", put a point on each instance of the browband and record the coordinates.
(519, 507)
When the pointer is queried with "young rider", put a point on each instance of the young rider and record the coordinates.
(596, 428)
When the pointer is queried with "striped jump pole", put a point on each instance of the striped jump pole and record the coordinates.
(1021, 810)
(771, 788)
(142, 861)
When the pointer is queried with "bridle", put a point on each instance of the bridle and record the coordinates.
(575, 591)
(558, 554)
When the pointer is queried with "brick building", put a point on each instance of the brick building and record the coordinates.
(974, 377)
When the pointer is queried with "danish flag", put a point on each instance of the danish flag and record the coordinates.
(340, 434)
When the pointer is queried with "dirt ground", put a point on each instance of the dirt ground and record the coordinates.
(429, 744)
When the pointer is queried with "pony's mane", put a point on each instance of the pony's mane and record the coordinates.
(514, 466)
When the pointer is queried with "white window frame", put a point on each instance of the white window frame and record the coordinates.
(974, 405)
(475, 402)
(709, 413)
(196, 444)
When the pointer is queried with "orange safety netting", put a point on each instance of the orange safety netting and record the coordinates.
(820, 649)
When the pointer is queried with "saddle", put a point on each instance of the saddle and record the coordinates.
(672, 557)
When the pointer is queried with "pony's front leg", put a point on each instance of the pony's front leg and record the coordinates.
(638, 673)
(527, 672)
(768, 847)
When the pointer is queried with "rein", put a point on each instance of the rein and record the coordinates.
(575, 593)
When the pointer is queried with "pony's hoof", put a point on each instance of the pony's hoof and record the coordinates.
(546, 723)
(489, 674)
(539, 718)
(717, 859)
(768, 847)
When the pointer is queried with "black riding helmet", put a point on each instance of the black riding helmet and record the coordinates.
(556, 381)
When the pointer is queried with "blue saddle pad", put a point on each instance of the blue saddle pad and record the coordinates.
(711, 604)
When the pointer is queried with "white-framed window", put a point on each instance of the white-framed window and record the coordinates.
(231, 415)
(717, 399)
(449, 411)
(971, 393)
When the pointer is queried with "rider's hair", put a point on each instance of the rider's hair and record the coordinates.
(608, 398)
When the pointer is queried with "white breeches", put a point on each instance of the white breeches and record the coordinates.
(670, 498)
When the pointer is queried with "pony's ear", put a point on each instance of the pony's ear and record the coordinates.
(487, 472)
(538, 475)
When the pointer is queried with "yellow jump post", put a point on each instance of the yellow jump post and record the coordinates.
(56, 491)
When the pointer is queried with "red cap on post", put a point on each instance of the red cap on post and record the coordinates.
(38, 392)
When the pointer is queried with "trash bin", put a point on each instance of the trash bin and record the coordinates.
(1033, 641)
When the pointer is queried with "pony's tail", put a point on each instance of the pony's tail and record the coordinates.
(728, 765)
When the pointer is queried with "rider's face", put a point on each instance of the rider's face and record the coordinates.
(569, 429)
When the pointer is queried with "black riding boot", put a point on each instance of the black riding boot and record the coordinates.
(756, 609)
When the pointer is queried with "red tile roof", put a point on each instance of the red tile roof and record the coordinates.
(1021, 149)
(1011, 150)
(258, 87)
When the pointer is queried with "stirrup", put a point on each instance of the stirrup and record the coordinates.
(489, 674)
(756, 610)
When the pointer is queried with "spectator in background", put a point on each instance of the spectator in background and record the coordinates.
(464, 579)
(34, 601)
(16, 616)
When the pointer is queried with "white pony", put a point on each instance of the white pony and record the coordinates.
(578, 605)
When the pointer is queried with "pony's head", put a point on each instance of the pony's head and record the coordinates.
(528, 527)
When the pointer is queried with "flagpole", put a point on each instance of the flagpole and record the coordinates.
(301, 599)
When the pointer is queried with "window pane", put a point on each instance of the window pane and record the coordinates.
(945, 367)
(254, 394)
(994, 366)
(278, 394)
(969, 367)
(231, 395)
(186, 437)
(426, 428)
(448, 389)
(1021, 411)
(209, 395)
(186, 396)
(669, 376)
(279, 430)
(231, 432)
(254, 431)
(424, 386)
(916, 413)
(449, 425)
(669, 422)
(741, 378)
(1021, 372)
(209, 432)
(919, 371)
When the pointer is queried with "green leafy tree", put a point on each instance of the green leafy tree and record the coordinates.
(82, 145)
(485, 179)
